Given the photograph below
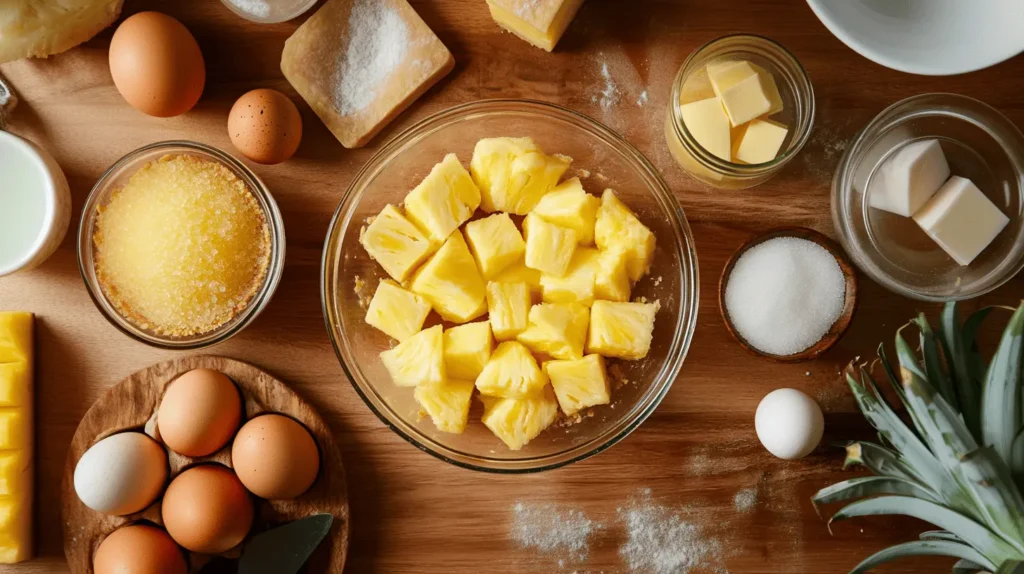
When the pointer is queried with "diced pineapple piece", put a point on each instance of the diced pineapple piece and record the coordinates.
(467, 349)
(508, 308)
(577, 285)
(15, 384)
(15, 337)
(396, 243)
(397, 312)
(611, 277)
(14, 429)
(452, 283)
(557, 329)
(549, 247)
(495, 243)
(617, 226)
(419, 360)
(518, 421)
(513, 173)
(447, 404)
(512, 373)
(570, 206)
(518, 272)
(15, 466)
(579, 384)
(15, 529)
(444, 200)
(621, 330)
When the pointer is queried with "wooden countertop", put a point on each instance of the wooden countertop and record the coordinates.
(414, 513)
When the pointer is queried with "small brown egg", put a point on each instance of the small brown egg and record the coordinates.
(157, 65)
(265, 126)
(200, 412)
(139, 549)
(275, 457)
(207, 510)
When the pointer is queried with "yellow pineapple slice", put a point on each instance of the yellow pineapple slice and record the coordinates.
(15, 336)
(397, 312)
(15, 472)
(447, 404)
(578, 282)
(514, 173)
(495, 243)
(622, 330)
(557, 329)
(508, 307)
(511, 373)
(611, 277)
(518, 421)
(15, 529)
(396, 243)
(15, 429)
(570, 206)
(467, 349)
(579, 384)
(15, 384)
(444, 200)
(419, 360)
(518, 272)
(549, 247)
(617, 226)
(452, 283)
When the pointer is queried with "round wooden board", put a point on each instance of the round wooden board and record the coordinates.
(131, 406)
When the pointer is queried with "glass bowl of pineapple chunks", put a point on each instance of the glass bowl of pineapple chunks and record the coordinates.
(510, 286)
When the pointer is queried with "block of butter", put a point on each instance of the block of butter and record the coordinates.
(909, 178)
(745, 92)
(961, 219)
(360, 63)
(539, 22)
(759, 141)
(707, 121)
(16, 444)
(726, 74)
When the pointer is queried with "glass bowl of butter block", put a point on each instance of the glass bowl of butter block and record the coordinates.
(739, 98)
(601, 159)
(982, 239)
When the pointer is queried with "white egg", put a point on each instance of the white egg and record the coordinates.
(789, 423)
(122, 474)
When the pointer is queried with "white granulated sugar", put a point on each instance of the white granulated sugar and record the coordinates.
(526, 8)
(783, 295)
(377, 43)
(745, 500)
(640, 101)
(659, 541)
(552, 528)
(255, 8)
(609, 95)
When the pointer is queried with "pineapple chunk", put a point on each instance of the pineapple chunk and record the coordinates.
(513, 173)
(15, 337)
(444, 200)
(452, 283)
(518, 272)
(397, 312)
(617, 226)
(577, 284)
(495, 243)
(557, 329)
(549, 247)
(512, 373)
(518, 421)
(508, 305)
(579, 384)
(15, 529)
(396, 243)
(14, 429)
(611, 277)
(419, 360)
(15, 466)
(621, 330)
(447, 404)
(570, 206)
(467, 349)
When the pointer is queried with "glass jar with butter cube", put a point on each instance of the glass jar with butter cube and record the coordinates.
(741, 108)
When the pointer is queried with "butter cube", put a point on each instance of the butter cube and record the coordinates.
(15, 384)
(725, 74)
(909, 178)
(539, 22)
(961, 219)
(709, 124)
(745, 100)
(759, 142)
(15, 337)
(14, 472)
(14, 429)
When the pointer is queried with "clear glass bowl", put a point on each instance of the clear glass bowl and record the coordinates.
(980, 144)
(349, 277)
(114, 178)
(269, 11)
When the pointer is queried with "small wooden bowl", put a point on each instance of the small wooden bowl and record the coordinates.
(841, 324)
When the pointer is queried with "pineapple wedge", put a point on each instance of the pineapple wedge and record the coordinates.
(447, 404)
(452, 283)
(444, 200)
(570, 206)
(396, 243)
(549, 247)
(577, 285)
(617, 226)
(579, 384)
(518, 421)
(557, 329)
(512, 373)
(622, 330)
(611, 276)
(514, 173)
(419, 360)
(508, 306)
(16, 336)
(467, 349)
(397, 312)
(495, 243)
(518, 272)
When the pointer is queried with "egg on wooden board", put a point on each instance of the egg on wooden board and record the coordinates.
(789, 423)
(121, 474)
(275, 457)
(265, 126)
(139, 549)
(199, 412)
(207, 510)
(156, 64)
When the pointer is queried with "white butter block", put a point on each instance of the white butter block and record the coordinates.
(909, 178)
(961, 219)
(709, 125)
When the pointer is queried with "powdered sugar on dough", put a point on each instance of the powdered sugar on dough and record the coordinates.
(378, 41)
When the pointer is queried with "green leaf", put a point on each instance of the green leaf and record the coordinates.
(921, 548)
(870, 486)
(967, 567)
(995, 494)
(881, 461)
(939, 535)
(933, 365)
(890, 374)
(1011, 567)
(958, 345)
(1001, 396)
(1017, 459)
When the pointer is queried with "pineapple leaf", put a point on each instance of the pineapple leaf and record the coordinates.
(939, 535)
(1011, 567)
(995, 494)
(870, 486)
(894, 381)
(964, 361)
(921, 548)
(967, 567)
(1017, 458)
(881, 461)
(1001, 396)
(933, 364)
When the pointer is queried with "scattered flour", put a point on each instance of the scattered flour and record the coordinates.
(745, 500)
(525, 8)
(659, 541)
(255, 8)
(609, 95)
(552, 528)
(640, 101)
(377, 43)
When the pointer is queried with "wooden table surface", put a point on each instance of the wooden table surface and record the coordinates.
(411, 512)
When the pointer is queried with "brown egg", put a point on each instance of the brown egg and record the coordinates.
(207, 510)
(200, 412)
(157, 65)
(265, 126)
(139, 549)
(275, 457)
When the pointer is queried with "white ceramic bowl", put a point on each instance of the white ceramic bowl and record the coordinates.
(929, 37)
